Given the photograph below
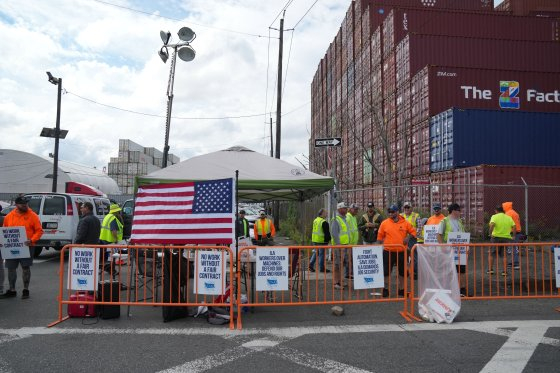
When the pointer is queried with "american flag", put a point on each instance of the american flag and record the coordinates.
(184, 213)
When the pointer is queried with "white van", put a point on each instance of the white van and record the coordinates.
(60, 213)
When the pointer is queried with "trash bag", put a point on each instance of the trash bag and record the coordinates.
(438, 288)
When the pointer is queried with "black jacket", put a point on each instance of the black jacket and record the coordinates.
(240, 227)
(89, 228)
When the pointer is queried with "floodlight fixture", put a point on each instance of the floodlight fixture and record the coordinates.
(186, 53)
(163, 54)
(52, 79)
(165, 37)
(186, 34)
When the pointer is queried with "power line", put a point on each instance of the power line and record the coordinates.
(162, 116)
(176, 19)
(312, 5)
(280, 12)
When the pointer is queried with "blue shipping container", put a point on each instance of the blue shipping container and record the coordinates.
(464, 138)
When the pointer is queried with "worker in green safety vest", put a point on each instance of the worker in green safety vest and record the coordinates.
(111, 233)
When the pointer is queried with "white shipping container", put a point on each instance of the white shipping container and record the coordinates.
(126, 144)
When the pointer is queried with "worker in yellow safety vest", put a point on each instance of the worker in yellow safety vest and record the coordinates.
(264, 230)
(340, 235)
(111, 233)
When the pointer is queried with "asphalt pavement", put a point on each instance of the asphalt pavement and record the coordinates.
(488, 336)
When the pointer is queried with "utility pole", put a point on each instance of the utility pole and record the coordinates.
(279, 93)
(271, 140)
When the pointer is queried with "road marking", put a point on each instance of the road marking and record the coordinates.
(516, 352)
(308, 360)
(211, 361)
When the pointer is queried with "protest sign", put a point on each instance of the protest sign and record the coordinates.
(460, 251)
(430, 234)
(12, 243)
(557, 265)
(82, 271)
(368, 267)
(208, 272)
(272, 269)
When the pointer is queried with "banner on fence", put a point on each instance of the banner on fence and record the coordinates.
(13, 243)
(272, 268)
(368, 267)
(82, 269)
(430, 234)
(209, 280)
(457, 238)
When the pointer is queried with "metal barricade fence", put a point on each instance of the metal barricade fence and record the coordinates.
(147, 275)
(490, 272)
(307, 288)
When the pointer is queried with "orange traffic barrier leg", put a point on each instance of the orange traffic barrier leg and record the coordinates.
(58, 321)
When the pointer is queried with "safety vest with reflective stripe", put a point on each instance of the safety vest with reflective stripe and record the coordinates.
(353, 229)
(412, 218)
(106, 234)
(259, 224)
(343, 235)
(449, 227)
(318, 236)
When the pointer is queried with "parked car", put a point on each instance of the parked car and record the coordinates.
(59, 214)
(5, 211)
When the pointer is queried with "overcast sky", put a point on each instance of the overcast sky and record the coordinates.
(115, 84)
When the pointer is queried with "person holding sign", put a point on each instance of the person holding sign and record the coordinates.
(22, 216)
(449, 224)
(394, 230)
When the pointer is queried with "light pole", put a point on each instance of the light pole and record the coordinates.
(186, 53)
(55, 132)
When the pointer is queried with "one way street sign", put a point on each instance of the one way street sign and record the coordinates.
(333, 141)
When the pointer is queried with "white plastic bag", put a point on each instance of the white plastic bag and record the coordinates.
(440, 299)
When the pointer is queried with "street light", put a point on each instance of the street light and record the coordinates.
(56, 132)
(186, 53)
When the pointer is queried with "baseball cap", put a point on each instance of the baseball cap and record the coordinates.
(407, 204)
(241, 211)
(393, 208)
(262, 212)
(341, 205)
(354, 206)
(437, 206)
(370, 204)
(21, 200)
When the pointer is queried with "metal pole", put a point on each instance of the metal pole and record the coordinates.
(279, 92)
(526, 207)
(271, 140)
(169, 106)
(57, 136)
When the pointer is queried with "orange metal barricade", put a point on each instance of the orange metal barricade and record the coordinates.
(313, 288)
(142, 275)
(533, 278)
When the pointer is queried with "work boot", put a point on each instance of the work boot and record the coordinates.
(25, 294)
(8, 294)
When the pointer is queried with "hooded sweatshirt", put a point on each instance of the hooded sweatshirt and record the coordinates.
(508, 209)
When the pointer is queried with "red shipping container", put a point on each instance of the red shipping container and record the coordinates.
(379, 9)
(526, 7)
(479, 189)
(416, 51)
(467, 24)
(436, 89)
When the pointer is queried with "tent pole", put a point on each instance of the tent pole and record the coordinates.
(235, 228)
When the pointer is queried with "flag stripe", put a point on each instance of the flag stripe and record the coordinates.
(184, 213)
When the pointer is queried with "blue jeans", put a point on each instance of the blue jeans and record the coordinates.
(321, 259)
(515, 249)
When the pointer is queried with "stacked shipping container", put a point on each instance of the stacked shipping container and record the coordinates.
(396, 64)
(134, 160)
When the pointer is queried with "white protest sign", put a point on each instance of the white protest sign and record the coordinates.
(208, 272)
(557, 265)
(272, 268)
(13, 244)
(442, 307)
(82, 271)
(430, 234)
(461, 251)
(368, 267)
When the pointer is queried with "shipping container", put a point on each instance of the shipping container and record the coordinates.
(464, 138)
(467, 24)
(416, 51)
(125, 145)
(379, 9)
(436, 88)
(526, 7)
(479, 189)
